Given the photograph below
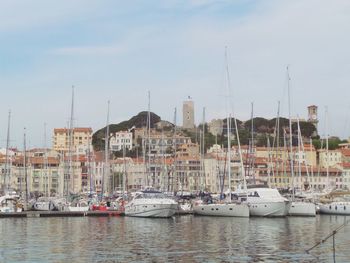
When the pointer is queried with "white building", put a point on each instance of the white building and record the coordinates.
(121, 139)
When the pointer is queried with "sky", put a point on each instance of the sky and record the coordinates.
(120, 50)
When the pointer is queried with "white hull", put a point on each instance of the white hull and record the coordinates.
(270, 209)
(300, 208)
(184, 209)
(77, 209)
(229, 209)
(335, 208)
(150, 210)
(43, 206)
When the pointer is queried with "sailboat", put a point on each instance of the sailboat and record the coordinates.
(227, 207)
(298, 207)
(150, 202)
(337, 205)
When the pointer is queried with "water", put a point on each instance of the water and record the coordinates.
(179, 239)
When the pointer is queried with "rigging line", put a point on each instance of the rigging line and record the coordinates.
(328, 236)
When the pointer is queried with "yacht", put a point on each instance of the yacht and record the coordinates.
(228, 209)
(151, 203)
(78, 206)
(10, 203)
(44, 204)
(335, 208)
(264, 201)
(302, 208)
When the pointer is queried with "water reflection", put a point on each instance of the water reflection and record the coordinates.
(179, 239)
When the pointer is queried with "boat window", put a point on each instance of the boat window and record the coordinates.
(212, 209)
(230, 208)
(330, 207)
(217, 208)
(336, 207)
(344, 207)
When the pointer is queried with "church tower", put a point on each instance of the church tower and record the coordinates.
(312, 116)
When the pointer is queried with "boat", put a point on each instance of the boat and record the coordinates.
(151, 203)
(228, 209)
(302, 208)
(44, 204)
(264, 201)
(78, 206)
(10, 203)
(335, 208)
(297, 207)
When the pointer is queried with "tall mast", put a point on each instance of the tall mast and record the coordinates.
(25, 168)
(105, 178)
(175, 157)
(7, 163)
(327, 153)
(203, 152)
(299, 154)
(46, 174)
(70, 150)
(278, 140)
(251, 166)
(228, 126)
(290, 134)
(149, 136)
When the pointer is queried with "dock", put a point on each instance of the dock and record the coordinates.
(35, 214)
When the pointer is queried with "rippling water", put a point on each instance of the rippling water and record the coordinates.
(179, 239)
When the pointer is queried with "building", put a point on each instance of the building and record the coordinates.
(312, 116)
(188, 114)
(80, 137)
(120, 140)
(329, 158)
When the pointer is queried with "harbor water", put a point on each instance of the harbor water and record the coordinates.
(177, 239)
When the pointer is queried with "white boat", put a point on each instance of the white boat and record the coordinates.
(10, 204)
(44, 204)
(150, 203)
(221, 209)
(79, 206)
(302, 208)
(264, 201)
(335, 208)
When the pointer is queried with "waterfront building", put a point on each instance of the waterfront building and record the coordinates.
(80, 137)
(120, 140)
(329, 158)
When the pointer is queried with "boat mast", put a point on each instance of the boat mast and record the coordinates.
(46, 175)
(70, 150)
(7, 163)
(327, 148)
(106, 157)
(25, 168)
(299, 154)
(203, 152)
(149, 137)
(290, 134)
(251, 163)
(175, 157)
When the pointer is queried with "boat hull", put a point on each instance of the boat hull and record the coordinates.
(150, 210)
(335, 208)
(229, 209)
(269, 209)
(300, 208)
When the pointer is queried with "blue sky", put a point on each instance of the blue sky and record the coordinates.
(118, 50)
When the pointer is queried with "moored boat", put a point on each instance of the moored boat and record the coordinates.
(151, 203)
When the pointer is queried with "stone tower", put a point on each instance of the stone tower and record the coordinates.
(188, 114)
(312, 116)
